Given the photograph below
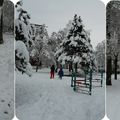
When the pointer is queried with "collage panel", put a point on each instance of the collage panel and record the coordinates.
(6, 60)
(60, 59)
(113, 59)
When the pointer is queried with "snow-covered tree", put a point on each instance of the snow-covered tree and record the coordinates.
(55, 40)
(115, 51)
(22, 58)
(76, 47)
(1, 21)
(112, 29)
(100, 54)
(23, 28)
(24, 39)
(40, 50)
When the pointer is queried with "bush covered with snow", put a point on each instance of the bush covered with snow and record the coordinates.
(22, 58)
(24, 36)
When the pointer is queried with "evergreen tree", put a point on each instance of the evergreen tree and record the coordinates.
(23, 28)
(24, 40)
(76, 47)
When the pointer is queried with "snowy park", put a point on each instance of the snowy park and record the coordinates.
(39, 97)
(59, 69)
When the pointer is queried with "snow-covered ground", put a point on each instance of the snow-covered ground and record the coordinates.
(7, 77)
(113, 100)
(41, 98)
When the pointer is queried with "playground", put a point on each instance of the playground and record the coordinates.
(39, 97)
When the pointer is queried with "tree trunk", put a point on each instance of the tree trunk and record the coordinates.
(115, 67)
(109, 71)
(36, 68)
(1, 26)
(76, 67)
(70, 66)
(37, 65)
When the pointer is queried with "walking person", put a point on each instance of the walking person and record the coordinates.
(52, 72)
(60, 73)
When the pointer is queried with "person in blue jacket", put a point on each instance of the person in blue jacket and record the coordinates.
(60, 73)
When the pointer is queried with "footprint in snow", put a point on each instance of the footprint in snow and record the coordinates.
(2, 100)
(5, 112)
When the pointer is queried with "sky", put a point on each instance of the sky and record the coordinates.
(56, 14)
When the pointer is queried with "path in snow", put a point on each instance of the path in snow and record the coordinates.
(6, 77)
(113, 100)
(41, 98)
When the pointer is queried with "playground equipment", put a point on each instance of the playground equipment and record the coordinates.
(85, 84)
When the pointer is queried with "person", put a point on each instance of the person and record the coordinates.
(60, 73)
(52, 72)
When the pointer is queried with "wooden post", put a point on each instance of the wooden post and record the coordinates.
(72, 77)
(74, 88)
(90, 82)
(109, 71)
(86, 76)
(101, 77)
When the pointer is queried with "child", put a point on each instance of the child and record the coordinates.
(52, 72)
(60, 73)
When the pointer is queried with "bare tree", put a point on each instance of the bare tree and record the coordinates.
(115, 52)
(100, 54)
(112, 30)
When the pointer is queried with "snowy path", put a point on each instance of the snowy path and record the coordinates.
(6, 77)
(40, 98)
(113, 100)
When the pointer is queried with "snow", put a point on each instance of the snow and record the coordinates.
(76, 59)
(41, 98)
(73, 43)
(113, 99)
(7, 77)
(22, 51)
(22, 54)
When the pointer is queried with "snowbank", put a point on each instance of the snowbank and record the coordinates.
(6, 77)
(113, 99)
(41, 98)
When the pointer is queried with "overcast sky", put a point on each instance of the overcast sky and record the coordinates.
(56, 14)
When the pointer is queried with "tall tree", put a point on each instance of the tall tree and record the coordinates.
(24, 39)
(8, 16)
(100, 54)
(115, 53)
(40, 50)
(112, 29)
(76, 48)
(1, 21)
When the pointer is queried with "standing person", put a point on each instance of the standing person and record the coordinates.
(60, 73)
(52, 72)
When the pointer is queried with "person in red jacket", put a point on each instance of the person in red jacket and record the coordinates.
(52, 72)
